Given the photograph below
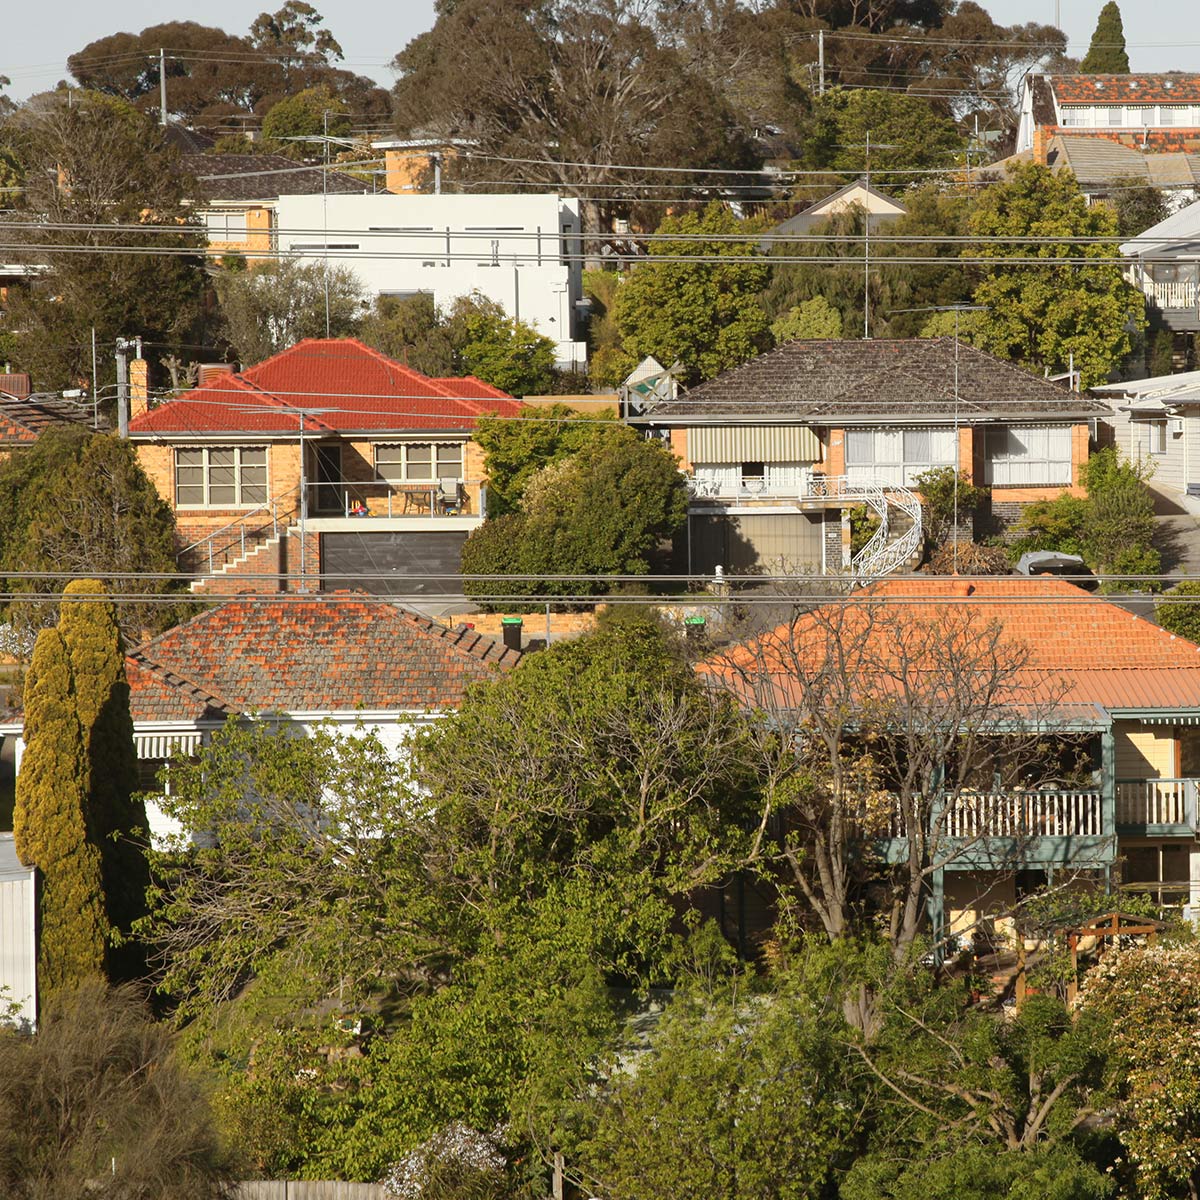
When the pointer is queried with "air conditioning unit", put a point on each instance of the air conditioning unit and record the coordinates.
(1175, 425)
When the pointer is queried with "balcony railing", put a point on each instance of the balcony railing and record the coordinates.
(392, 498)
(1179, 294)
(1024, 814)
(708, 488)
(1157, 802)
(1020, 814)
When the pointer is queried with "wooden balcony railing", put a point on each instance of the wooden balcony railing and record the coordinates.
(1157, 802)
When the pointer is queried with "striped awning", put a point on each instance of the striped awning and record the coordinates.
(167, 745)
(753, 443)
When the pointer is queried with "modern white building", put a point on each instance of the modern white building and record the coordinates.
(521, 250)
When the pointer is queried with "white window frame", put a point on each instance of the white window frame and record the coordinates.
(226, 225)
(889, 455)
(1156, 437)
(402, 460)
(240, 482)
(1045, 460)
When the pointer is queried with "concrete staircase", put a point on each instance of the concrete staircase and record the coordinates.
(268, 557)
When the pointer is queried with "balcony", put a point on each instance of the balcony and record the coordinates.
(1002, 830)
(1178, 294)
(1162, 806)
(728, 488)
(353, 498)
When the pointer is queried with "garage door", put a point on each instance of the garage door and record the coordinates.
(393, 563)
(747, 544)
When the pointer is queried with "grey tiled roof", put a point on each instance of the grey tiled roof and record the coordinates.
(849, 382)
(262, 177)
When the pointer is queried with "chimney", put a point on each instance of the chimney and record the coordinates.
(1041, 143)
(139, 388)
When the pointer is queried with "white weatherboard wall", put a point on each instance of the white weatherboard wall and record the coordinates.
(18, 934)
(514, 249)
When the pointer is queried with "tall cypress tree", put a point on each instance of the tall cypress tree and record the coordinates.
(50, 824)
(1106, 55)
(117, 819)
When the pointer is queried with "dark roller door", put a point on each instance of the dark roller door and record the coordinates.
(393, 563)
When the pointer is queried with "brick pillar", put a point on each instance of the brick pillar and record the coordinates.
(139, 387)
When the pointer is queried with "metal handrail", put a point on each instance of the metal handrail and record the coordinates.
(240, 523)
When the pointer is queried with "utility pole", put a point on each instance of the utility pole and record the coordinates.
(162, 87)
(820, 62)
(325, 222)
(124, 345)
(95, 385)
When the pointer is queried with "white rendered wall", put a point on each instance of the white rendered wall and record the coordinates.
(509, 248)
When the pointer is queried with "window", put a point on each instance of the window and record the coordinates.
(754, 474)
(1109, 116)
(401, 462)
(1156, 435)
(898, 456)
(1073, 117)
(1139, 117)
(1028, 456)
(225, 226)
(1174, 114)
(221, 477)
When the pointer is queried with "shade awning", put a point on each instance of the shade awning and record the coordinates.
(753, 443)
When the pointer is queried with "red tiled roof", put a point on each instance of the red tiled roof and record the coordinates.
(1101, 654)
(323, 654)
(1126, 89)
(362, 390)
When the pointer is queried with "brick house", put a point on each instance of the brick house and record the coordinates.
(329, 459)
(779, 450)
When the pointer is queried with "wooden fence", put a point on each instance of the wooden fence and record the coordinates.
(285, 1189)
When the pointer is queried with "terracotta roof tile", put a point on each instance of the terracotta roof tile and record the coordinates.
(362, 389)
(286, 655)
(1102, 653)
(1173, 88)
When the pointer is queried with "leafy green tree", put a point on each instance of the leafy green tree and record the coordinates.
(894, 289)
(813, 318)
(945, 495)
(1045, 315)
(499, 349)
(1106, 53)
(314, 839)
(475, 337)
(513, 451)
(105, 178)
(605, 359)
(708, 315)
(744, 1096)
(602, 511)
(96, 1103)
(602, 84)
(80, 502)
(117, 815)
(1138, 206)
(411, 330)
(303, 116)
(904, 132)
(1151, 997)
(293, 36)
(272, 307)
(1112, 528)
(1179, 611)
(52, 826)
